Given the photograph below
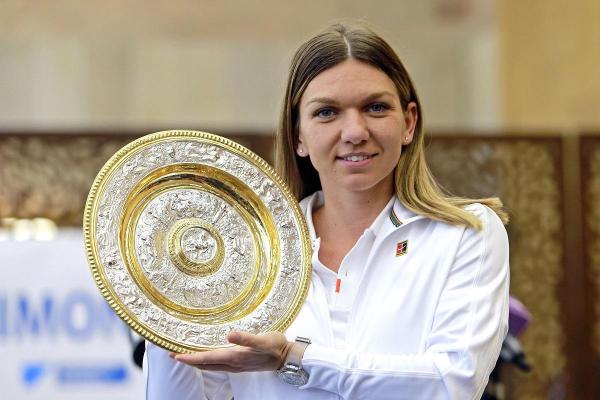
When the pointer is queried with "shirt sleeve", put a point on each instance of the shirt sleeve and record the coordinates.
(470, 323)
(169, 379)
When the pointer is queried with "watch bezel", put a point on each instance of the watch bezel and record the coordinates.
(293, 375)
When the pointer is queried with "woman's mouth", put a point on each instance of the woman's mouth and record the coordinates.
(356, 160)
(356, 157)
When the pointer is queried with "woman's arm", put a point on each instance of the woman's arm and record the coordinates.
(168, 379)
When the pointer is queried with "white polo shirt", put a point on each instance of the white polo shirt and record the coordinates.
(420, 313)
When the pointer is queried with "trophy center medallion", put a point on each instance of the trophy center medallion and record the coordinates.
(195, 247)
(198, 245)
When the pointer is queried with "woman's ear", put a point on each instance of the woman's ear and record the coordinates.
(301, 149)
(411, 116)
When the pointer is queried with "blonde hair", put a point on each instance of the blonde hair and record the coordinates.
(415, 186)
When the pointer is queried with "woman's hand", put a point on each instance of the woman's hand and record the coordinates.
(264, 352)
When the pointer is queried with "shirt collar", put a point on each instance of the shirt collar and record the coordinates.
(382, 217)
(315, 201)
(399, 214)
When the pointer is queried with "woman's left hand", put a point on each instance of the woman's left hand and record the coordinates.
(264, 352)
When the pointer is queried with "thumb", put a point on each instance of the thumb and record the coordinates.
(270, 342)
(245, 339)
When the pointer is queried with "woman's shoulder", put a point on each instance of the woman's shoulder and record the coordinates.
(492, 227)
(488, 218)
(477, 209)
(481, 211)
(484, 213)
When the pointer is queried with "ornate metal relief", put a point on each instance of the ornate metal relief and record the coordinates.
(190, 236)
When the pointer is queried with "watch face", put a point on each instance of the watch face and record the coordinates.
(295, 377)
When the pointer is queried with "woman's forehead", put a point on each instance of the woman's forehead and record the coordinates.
(351, 79)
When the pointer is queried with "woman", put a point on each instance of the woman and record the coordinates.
(409, 294)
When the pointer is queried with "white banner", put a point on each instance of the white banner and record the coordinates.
(58, 337)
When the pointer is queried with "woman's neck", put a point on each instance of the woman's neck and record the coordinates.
(341, 221)
(350, 213)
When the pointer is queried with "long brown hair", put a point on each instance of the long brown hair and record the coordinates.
(415, 186)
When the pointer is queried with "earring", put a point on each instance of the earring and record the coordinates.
(300, 151)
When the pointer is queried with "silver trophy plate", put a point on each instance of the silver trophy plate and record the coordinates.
(190, 235)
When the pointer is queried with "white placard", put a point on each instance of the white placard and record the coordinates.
(58, 337)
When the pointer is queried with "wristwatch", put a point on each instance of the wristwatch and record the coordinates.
(291, 371)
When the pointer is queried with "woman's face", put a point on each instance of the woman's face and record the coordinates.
(353, 127)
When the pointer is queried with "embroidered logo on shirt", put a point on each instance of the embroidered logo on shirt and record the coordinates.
(401, 248)
(394, 218)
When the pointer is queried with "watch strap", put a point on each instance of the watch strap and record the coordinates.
(297, 351)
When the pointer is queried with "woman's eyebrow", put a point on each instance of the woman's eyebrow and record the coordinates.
(323, 100)
(378, 95)
(370, 97)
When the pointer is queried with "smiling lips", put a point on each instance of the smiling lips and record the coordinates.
(356, 157)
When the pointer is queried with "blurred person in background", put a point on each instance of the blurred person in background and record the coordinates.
(409, 291)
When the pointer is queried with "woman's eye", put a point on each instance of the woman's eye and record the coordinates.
(378, 107)
(324, 113)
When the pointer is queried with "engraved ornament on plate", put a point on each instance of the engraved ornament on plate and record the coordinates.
(189, 235)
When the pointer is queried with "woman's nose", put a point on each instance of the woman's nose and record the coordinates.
(354, 128)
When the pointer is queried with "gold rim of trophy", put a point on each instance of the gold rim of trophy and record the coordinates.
(225, 186)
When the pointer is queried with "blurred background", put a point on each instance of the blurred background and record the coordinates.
(511, 97)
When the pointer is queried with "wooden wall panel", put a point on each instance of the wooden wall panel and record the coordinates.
(590, 183)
